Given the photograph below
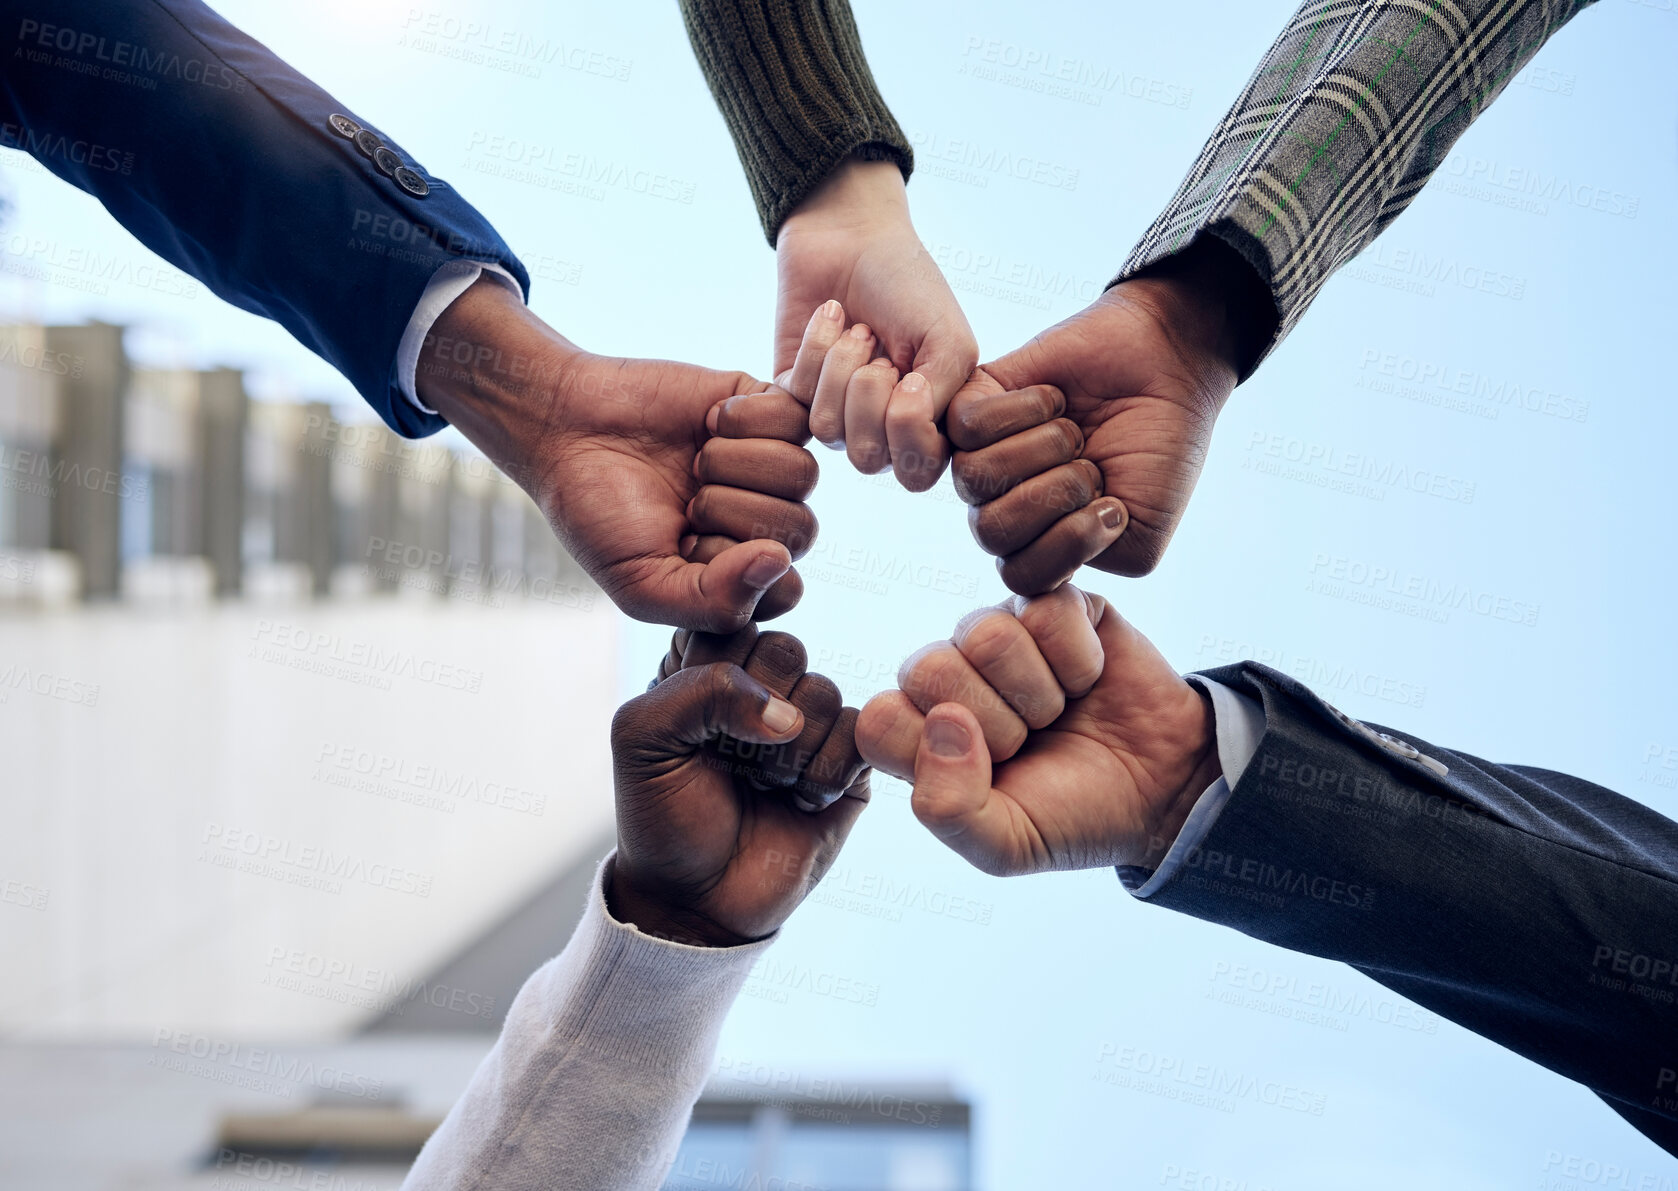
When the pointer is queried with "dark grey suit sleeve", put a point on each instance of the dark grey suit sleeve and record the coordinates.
(1536, 909)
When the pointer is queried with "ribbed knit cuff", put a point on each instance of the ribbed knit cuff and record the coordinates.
(794, 88)
(644, 1000)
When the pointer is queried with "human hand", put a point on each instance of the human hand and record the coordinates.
(1046, 734)
(849, 251)
(1140, 376)
(679, 489)
(738, 780)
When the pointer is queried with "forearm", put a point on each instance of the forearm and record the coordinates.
(1350, 112)
(791, 81)
(1511, 901)
(227, 163)
(602, 1056)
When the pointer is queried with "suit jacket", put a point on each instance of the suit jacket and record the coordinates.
(1537, 909)
(235, 168)
(1346, 118)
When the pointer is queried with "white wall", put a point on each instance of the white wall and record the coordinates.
(145, 751)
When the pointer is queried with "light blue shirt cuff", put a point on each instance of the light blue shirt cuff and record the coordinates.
(1239, 722)
(446, 284)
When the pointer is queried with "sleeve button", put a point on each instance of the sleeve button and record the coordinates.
(410, 181)
(387, 161)
(343, 125)
(368, 142)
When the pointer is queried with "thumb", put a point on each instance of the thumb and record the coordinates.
(718, 596)
(698, 705)
(952, 796)
(1020, 368)
(947, 361)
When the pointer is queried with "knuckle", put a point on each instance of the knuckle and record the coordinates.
(819, 697)
(989, 639)
(802, 472)
(703, 509)
(989, 527)
(1022, 577)
(781, 652)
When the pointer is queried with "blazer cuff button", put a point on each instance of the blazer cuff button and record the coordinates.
(410, 181)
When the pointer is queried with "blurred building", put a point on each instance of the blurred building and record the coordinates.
(170, 486)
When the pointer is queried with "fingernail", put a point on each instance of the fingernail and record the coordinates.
(948, 738)
(805, 805)
(860, 331)
(1112, 515)
(765, 569)
(913, 383)
(831, 308)
(686, 545)
(779, 716)
(711, 419)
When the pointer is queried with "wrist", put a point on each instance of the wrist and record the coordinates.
(497, 373)
(857, 192)
(1196, 755)
(1215, 301)
(629, 903)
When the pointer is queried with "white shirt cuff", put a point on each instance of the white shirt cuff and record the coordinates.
(1239, 722)
(446, 284)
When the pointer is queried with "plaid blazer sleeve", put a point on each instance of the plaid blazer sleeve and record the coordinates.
(1349, 114)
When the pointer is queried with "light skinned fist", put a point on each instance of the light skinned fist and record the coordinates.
(888, 345)
(1046, 734)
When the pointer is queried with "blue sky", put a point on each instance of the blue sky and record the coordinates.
(1563, 440)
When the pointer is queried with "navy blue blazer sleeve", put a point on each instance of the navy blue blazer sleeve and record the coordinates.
(1536, 909)
(223, 160)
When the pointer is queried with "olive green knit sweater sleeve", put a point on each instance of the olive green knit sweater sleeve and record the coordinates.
(796, 92)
